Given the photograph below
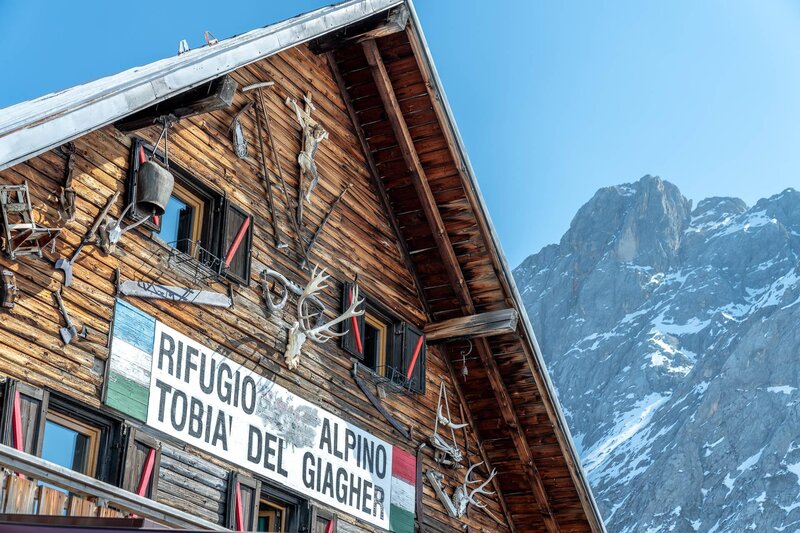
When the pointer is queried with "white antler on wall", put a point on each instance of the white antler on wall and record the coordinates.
(463, 497)
(302, 330)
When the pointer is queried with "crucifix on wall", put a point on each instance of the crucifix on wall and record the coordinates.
(313, 134)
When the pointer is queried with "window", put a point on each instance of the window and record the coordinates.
(199, 221)
(271, 515)
(182, 223)
(376, 339)
(255, 505)
(392, 349)
(324, 522)
(70, 443)
(61, 431)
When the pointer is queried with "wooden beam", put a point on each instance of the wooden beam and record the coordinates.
(517, 433)
(374, 26)
(445, 247)
(418, 178)
(376, 180)
(472, 326)
(216, 94)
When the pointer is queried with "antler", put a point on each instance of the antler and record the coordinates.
(446, 422)
(316, 284)
(324, 333)
(479, 489)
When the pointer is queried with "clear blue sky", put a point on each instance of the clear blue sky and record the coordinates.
(554, 98)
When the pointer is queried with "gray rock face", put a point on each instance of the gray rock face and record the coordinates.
(672, 336)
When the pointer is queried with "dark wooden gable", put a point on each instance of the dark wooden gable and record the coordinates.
(404, 129)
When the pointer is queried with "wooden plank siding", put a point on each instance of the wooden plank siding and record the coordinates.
(359, 241)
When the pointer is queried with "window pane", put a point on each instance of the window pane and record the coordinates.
(65, 446)
(177, 221)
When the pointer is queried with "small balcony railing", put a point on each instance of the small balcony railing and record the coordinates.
(31, 485)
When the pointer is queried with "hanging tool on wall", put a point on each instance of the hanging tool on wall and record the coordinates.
(8, 289)
(313, 241)
(146, 289)
(237, 132)
(375, 401)
(69, 332)
(154, 184)
(23, 235)
(276, 231)
(276, 158)
(66, 265)
(66, 198)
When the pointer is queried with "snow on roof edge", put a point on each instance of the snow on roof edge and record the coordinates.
(32, 127)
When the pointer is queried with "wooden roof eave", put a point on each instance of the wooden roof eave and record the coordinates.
(30, 128)
(492, 242)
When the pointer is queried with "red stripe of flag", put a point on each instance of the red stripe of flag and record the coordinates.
(404, 466)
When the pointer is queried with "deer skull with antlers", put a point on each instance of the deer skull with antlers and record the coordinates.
(462, 496)
(302, 330)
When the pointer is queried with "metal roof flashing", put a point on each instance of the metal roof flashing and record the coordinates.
(29, 128)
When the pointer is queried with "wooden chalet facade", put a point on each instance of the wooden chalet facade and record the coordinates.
(206, 391)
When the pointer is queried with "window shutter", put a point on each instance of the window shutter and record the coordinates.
(236, 242)
(142, 464)
(353, 341)
(243, 498)
(23, 420)
(414, 352)
(323, 521)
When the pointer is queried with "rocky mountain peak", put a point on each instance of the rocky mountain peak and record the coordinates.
(671, 336)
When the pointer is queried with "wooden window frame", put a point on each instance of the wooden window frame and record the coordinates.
(11, 387)
(82, 428)
(106, 466)
(378, 322)
(317, 512)
(198, 206)
(211, 220)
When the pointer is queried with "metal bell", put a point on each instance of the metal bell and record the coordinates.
(154, 188)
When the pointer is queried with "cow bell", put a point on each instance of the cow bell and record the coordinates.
(154, 188)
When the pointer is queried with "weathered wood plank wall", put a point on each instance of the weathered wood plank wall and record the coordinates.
(358, 241)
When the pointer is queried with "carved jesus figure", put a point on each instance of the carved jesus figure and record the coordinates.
(313, 134)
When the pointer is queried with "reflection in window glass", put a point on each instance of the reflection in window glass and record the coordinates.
(177, 212)
(66, 447)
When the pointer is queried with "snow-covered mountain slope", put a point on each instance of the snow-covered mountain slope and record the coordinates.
(673, 338)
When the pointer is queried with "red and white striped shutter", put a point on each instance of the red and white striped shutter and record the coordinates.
(353, 341)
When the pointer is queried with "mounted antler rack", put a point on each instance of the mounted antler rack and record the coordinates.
(269, 276)
(446, 454)
(302, 330)
(463, 497)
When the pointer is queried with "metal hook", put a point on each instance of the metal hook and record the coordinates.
(464, 354)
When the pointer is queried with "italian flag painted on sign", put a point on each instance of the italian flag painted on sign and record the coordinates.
(404, 468)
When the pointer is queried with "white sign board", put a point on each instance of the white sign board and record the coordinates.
(203, 398)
